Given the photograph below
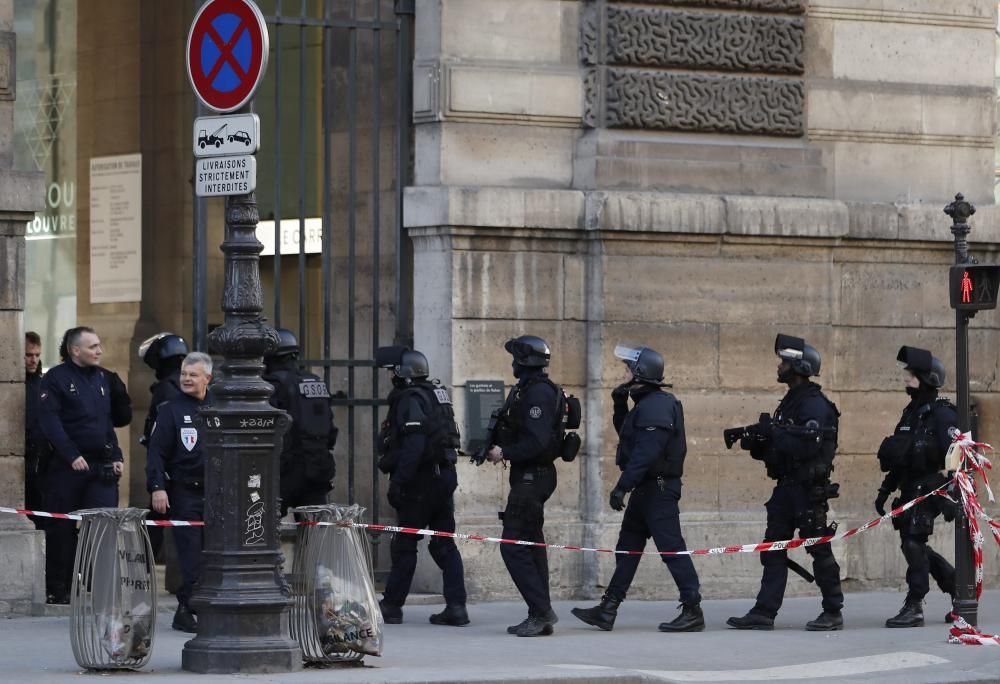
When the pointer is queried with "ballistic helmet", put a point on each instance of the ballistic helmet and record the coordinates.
(161, 347)
(804, 358)
(645, 364)
(529, 350)
(403, 361)
(287, 343)
(928, 368)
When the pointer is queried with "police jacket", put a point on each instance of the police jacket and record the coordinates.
(175, 447)
(915, 452)
(34, 438)
(802, 438)
(312, 434)
(160, 391)
(75, 414)
(529, 430)
(419, 434)
(651, 439)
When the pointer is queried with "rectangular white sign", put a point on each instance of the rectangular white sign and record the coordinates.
(116, 229)
(289, 237)
(227, 134)
(215, 176)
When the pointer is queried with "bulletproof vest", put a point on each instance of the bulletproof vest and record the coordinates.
(443, 439)
(656, 410)
(508, 429)
(807, 466)
(308, 401)
(913, 448)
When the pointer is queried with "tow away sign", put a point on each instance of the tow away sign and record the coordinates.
(226, 135)
(216, 176)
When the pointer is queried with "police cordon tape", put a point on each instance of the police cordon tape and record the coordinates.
(74, 516)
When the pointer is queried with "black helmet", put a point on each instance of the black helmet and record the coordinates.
(805, 359)
(161, 347)
(287, 344)
(927, 367)
(529, 350)
(645, 364)
(403, 361)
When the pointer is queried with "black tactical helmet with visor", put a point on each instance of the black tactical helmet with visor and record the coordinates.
(155, 351)
(529, 350)
(645, 364)
(927, 368)
(406, 364)
(803, 359)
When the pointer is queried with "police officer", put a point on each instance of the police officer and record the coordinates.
(36, 447)
(913, 458)
(651, 450)
(76, 418)
(163, 352)
(307, 464)
(797, 445)
(418, 447)
(528, 436)
(175, 474)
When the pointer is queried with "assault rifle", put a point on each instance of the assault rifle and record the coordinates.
(479, 457)
(762, 430)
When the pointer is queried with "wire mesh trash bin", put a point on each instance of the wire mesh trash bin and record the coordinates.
(335, 613)
(113, 600)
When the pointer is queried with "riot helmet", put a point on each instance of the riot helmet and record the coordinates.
(645, 364)
(288, 344)
(405, 363)
(804, 359)
(161, 348)
(927, 367)
(529, 350)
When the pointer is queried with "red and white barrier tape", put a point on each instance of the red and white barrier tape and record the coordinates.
(961, 632)
(73, 516)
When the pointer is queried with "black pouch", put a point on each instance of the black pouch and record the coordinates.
(570, 447)
(574, 413)
(106, 473)
(892, 452)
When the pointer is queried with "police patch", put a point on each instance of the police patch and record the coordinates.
(442, 396)
(314, 389)
(189, 437)
(535, 412)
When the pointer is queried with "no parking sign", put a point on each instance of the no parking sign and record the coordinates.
(227, 53)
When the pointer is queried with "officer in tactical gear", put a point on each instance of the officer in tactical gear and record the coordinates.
(307, 463)
(529, 436)
(175, 475)
(797, 445)
(913, 458)
(651, 450)
(418, 447)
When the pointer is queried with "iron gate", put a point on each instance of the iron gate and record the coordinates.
(336, 155)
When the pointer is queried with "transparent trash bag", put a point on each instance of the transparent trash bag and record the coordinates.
(335, 612)
(113, 600)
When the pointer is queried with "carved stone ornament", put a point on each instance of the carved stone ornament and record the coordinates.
(784, 6)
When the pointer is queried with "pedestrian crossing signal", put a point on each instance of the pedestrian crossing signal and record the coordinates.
(974, 286)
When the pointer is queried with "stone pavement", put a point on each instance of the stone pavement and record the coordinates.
(37, 650)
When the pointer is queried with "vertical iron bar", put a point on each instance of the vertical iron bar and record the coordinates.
(352, 102)
(376, 235)
(405, 10)
(327, 219)
(277, 166)
(302, 184)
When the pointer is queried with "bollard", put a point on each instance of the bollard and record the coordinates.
(113, 599)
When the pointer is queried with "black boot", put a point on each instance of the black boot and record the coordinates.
(392, 615)
(601, 616)
(751, 620)
(537, 625)
(513, 628)
(185, 620)
(826, 622)
(691, 619)
(454, 614)
(911, 615)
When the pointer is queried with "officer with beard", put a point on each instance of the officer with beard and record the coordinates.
(797, 445)
(913, 458)
(651, 450)
(528, 436)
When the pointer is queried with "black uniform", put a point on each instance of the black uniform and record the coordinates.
(76, 419)
(913, 458)
(36, 446)
(651, 450)
(160, 391)
(307, 464)
(418, 445)
(529, 432)
(175, 463)
(801, 460)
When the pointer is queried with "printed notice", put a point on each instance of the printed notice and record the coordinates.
(116, 229)
(215, 176)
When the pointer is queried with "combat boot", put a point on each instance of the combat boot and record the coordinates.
(691, 619)
(536, 625)
(911, 615)
(751, 620)
(185, 620)
(454, 615)
(601, 616)
(392, 615)
(827, 621)
(513, 628)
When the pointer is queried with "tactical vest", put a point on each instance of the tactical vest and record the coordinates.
(561, 443)
(804, 470)
(671, 461)
(308, 402)
(913, 447)
(443, 439)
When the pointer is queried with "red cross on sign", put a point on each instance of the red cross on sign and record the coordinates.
(227, 53)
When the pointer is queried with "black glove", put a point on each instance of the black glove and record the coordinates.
(618, 499)
(880, 500)
(395, 495)
(619, 395)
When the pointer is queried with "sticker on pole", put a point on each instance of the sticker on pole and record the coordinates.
(227, 53)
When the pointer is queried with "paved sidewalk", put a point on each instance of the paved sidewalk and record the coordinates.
(37, 650)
